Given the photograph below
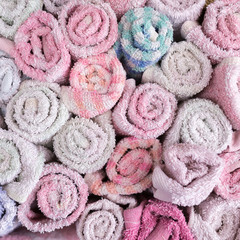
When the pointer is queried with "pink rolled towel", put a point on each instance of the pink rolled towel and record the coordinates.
(129, 168)
(223, 89)
(145, 111)
(219, 35)
(155, 220)
(89, 27)
(187, 175)
(97, 82)
(61, 196)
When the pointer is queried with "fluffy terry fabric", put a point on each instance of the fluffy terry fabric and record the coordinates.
(14, 13)
(61, 196)
(85, 145)
(183, 71)
(155, 220)
(223, 89)
(40, 50)
(188, 175)
(36, 112)
(215, 219)
(144, 37)
(146, 111)
(125, 201)
(97, 83)
(21, 165)
(200, 122)
(54, 6)
(129, 169)
(219, 35)
(89, 27)
(101, 220)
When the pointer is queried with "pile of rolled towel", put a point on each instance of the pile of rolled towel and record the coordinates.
(120, 120)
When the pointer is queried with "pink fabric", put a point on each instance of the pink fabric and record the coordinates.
(40, 50)
(155, 220)
(145, 111)
(7, 46)
(61, 196)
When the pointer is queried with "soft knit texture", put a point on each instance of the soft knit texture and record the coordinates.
(129, 169)
(223, 89)
(183, 71)
(145, 111)
(200, 122)
(89, 27)
(155, 220)
(14, 13)
(219, 35)
(101, 220)
(187, 175)
(144, 37)
(85, 145)
(36, 112)
(40, 50)
(54, 6)
(97, 83)
(61, 196)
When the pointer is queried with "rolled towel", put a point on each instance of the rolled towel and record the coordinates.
(183, 71)
(219, 35)
(144, 111)
(155, 220)
(200, 122)
(14, 13)
(61, 196)
(89, 27)
(102, 220)
(97, 83)
(223, 89)
(36, 112)
(54, 6)
(85, 145)
(129, 169)
(215, 219)
(122, 200)
(188, 175)
(144, 37)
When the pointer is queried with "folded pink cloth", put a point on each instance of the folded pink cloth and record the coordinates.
(61, 196)
(89, 27)
(97, 82)
(154, 220)
(219, 35)
(145, 111)
(187, 175)
(129, 168)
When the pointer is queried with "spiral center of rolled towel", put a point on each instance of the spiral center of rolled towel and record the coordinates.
(31, 106)
(153, 34)
(80, 140)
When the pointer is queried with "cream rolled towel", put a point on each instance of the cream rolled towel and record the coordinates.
(200, 122)
(36, 112)
(102, 220)
(183, 71)
(84, 144)
(215, 219)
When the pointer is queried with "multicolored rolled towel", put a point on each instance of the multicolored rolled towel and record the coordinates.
(200, 122)
(183, 71)
(97, 83)
(61, 196)
(40, 50)
(144, 37)
(85, 145)
(145, 111)
(21, 165)
(155, 220)
(54, 6)
(102, 220)
(129, 169)
(219, 35)
(223, 89)
(89, 27)
(36, 112)
(188, 175)
(14, 13)
(215, 219)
